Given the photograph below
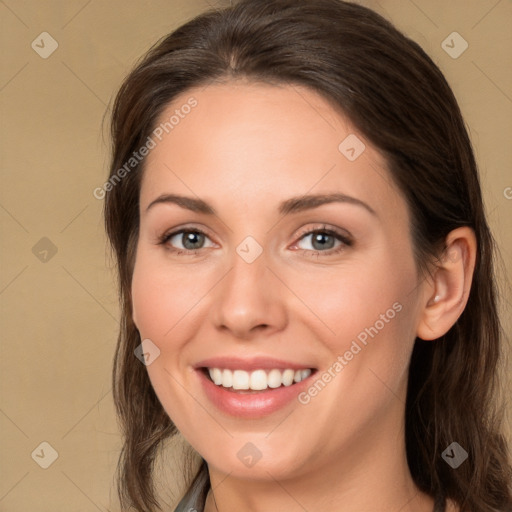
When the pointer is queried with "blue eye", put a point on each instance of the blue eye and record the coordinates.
(324, 240)
(190, 239)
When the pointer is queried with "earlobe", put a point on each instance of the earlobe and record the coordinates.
(448, 292)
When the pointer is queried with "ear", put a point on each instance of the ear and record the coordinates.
(446, 295)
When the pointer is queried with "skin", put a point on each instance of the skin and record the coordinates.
(244, 149)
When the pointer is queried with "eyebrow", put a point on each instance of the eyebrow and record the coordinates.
(292, 205)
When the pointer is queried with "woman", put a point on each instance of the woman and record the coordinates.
(305, 268)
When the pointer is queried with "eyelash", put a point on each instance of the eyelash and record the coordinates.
(345, 240)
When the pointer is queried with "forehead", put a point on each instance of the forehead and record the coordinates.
(261, 142)
(288, 120)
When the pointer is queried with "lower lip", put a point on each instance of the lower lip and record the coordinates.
(253, 404)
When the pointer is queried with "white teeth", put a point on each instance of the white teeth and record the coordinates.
(274, 378)
(227, 379)
(216, 376)
(258, 379)
(288, 377)
(240, 379)
(305, 374)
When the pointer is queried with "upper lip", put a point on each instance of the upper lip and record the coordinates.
(249, 364)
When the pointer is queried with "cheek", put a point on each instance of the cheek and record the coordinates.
(162, 299)
(366, 321)
(163, 305)
(371, 318)
(150, 301)
(359, 302)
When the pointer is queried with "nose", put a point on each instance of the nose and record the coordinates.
(249, 300)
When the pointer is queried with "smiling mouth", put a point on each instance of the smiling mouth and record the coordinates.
(241, 381)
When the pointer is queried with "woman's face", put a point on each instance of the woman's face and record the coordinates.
(296, 258)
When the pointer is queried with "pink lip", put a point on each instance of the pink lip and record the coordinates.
(250, 364)
(251, 405)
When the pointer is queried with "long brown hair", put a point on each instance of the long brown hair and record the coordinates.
(399, 100)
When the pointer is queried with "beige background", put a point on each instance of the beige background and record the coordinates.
(59, 316)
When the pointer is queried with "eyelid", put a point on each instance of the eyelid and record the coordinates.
(343, 234)
(170, 233)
